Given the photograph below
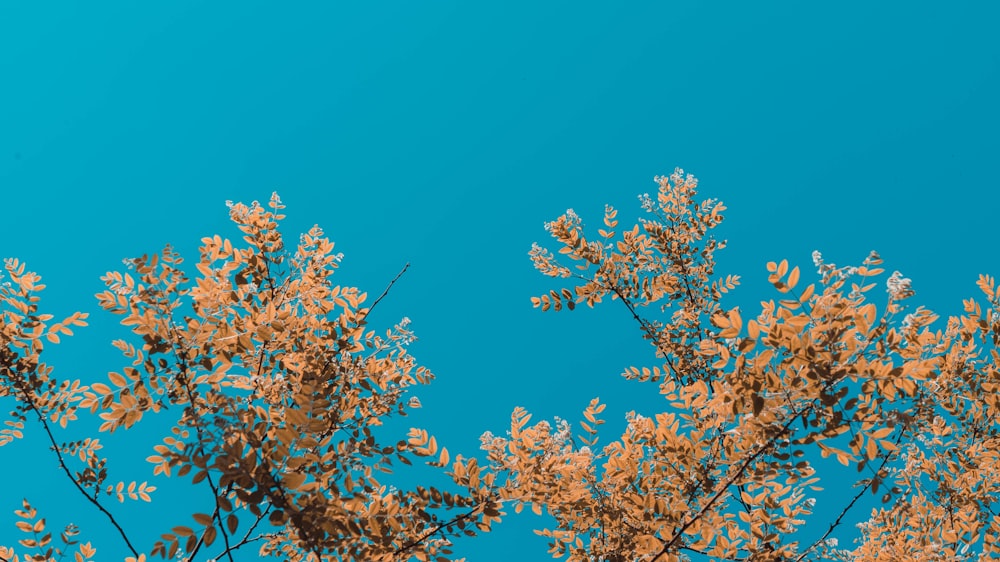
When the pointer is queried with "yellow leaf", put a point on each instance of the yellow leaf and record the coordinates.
(880, 433)
(986, 284)
(294, 479)
(100, 388)
(793, 277)
(843, 458)
(871, 449)
(807, 293)
(648, 544)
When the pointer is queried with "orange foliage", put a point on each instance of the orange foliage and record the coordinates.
(277, 386)
(723, 471)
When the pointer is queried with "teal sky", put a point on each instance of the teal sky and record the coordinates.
(444, 134)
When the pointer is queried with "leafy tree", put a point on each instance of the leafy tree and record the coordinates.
(276, 387)
(724, 471)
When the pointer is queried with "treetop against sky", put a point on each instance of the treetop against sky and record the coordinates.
(278, 390)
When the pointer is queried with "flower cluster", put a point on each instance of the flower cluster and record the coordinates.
(563, 437)
(832, 274)
(899, 287)
(404, 333)
(568, 221)
(647, 203)
(489, 442)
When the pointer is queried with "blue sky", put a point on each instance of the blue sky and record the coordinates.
(444, 134)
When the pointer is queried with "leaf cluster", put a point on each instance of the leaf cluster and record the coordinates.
(276, 387)
(723, 471)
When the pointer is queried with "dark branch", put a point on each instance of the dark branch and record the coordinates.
(62, 464)
(386, 291)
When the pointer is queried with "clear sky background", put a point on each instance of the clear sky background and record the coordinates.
(444, 134)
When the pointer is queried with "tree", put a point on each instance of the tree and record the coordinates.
(724, 471)
(278, 390)
(276, 387)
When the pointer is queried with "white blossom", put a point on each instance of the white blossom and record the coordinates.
(899, 287)
(646, 202)
(636, 422)
(488, 441)
(564, 432)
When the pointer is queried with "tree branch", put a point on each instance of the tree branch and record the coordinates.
(723, 489)
(438, 528)
(62, 464)
(385, 292)
(854, 500)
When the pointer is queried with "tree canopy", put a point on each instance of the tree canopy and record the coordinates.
(278, 387)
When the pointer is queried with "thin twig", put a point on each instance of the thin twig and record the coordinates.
(439, 528)
(854, 500)
(62, 464)
(725, 486)
(246, 538)
(385, 292)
